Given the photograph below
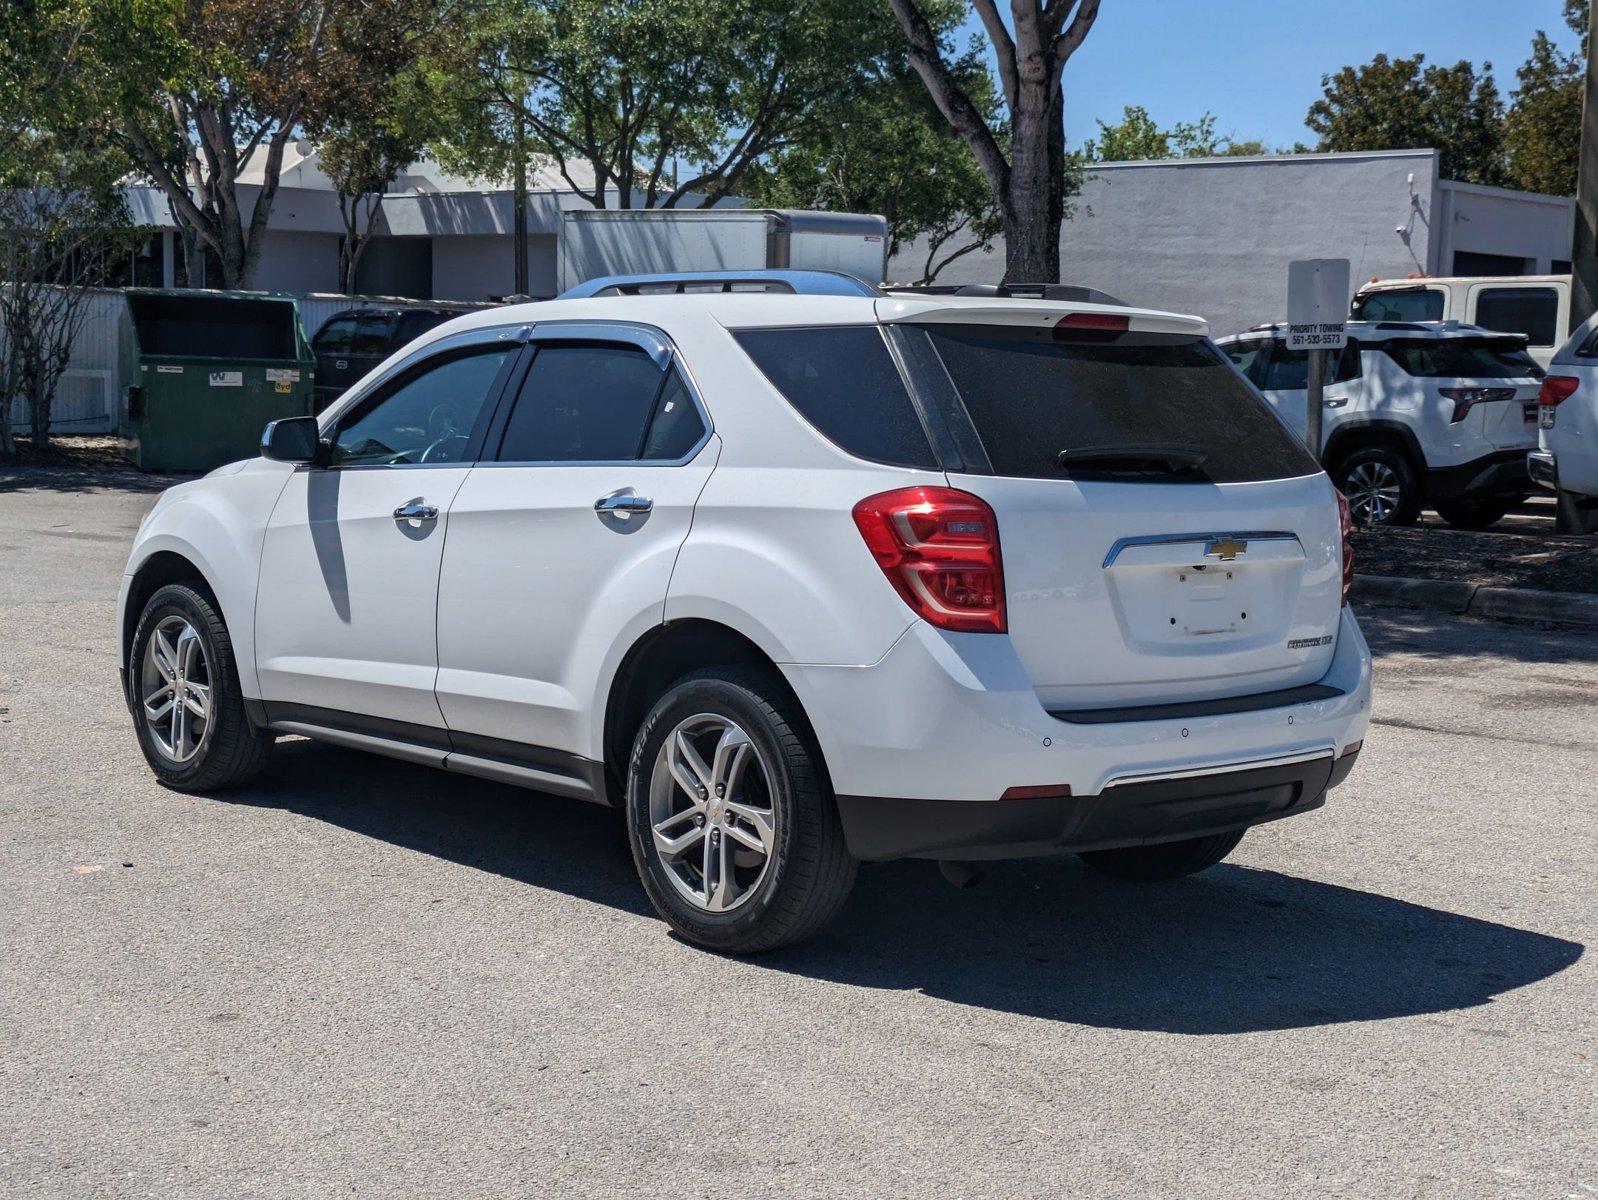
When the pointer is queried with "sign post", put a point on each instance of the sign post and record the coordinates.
(1317, 309)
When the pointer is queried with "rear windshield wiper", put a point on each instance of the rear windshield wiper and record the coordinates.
(1136, 458)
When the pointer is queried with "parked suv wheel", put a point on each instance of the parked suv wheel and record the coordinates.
(1477, 514)
(183, 687)
(1168, 860)
(733, 827)
(1380, 485)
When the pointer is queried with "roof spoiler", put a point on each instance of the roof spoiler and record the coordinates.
(1070, 292)
(678, 283)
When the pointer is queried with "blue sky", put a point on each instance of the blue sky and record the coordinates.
(1257, 64)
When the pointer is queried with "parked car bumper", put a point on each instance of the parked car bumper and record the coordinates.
(1542, 469)
(1502, 473)
(922, 747)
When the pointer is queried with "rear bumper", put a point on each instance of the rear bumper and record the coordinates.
(1543, 469)
(1502, 473)
(1134, 813)
(954, 718)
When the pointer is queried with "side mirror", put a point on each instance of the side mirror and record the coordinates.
(292, 440)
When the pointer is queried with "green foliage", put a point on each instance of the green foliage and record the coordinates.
(1402, 103)
(892, 153)
(1136, 138)
(663, 98)
(1542, 132)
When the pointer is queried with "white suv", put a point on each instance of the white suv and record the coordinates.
(1436, 413)
(794, 572)
(1566, 460)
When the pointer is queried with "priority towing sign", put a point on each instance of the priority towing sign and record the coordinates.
(1317, 304)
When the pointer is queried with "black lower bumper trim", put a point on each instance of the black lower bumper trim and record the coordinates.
(1131, 814)
(1225, 706)
(1502, 473)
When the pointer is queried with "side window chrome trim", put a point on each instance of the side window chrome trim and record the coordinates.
(647, 338)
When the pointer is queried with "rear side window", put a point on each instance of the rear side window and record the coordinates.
(844, 382)
(1031, 397)
(1411, 304)
(413, 324)
(1250, 358)
(1463, 358)
(1533, 311)
(592, 402)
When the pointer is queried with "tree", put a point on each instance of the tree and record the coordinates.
(1136, 138)
(62, 219)
(376, 119)
(622, 94)
(892, 154)
(1542, 131)
(1022, 156)
(1401, 104)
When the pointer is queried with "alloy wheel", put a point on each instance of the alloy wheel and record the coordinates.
(713, 822)
(1374, 491)
(175, 689)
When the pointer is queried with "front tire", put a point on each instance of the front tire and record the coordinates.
(733, 826)
(183, 687)
(1167, 860)
(1381, 486)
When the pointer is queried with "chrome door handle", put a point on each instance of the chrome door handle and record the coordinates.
(416, 512)
(622, 504)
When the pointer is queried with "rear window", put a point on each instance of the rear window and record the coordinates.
(1031, 398)
(1463, 358)
(1408, 304)
(843, 381)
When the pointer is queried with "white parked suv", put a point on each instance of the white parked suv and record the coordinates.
(1438, 414)
(795, 572)
(1566, 459)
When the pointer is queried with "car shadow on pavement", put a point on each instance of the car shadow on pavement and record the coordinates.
(1456, 640)
(1233, 950)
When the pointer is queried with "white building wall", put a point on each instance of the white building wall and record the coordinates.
(295, 261)
(477, 266)
(1214, 236)
(1490, 220)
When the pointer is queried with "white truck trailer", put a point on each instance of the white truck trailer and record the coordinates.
(652, 241)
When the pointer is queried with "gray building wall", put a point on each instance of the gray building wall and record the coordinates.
(1214, 236)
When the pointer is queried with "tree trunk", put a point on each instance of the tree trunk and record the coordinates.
(1033, 207)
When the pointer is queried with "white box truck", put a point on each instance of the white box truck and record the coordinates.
(652, 241)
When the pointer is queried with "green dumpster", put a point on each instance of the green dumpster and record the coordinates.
(209, 370)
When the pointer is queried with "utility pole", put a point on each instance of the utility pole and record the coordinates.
(1584, 297)
(520, 220)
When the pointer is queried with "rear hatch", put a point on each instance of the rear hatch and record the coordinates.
(1164, 537)
(1486, 386)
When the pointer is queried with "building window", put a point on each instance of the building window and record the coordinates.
(1472, 262)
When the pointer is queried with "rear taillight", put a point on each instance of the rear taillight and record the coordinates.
(940, 549)
(1556, 390)
(1345, 521)
(1091, 327)
(1467, 398)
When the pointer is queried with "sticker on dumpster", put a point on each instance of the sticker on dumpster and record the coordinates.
(162, 370)
(284, 387)
(282, 375)
(227, 378)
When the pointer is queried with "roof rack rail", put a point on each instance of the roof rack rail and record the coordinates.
(1070, 292)
(677, 283)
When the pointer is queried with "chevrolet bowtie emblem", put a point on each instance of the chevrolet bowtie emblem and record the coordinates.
(1225, 549)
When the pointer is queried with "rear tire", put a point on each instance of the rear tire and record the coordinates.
(187, 706)
(1477, 514)
(753, 857)
(1381, 486)
(1168, 860)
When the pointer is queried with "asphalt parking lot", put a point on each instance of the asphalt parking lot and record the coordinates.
(367, 978)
